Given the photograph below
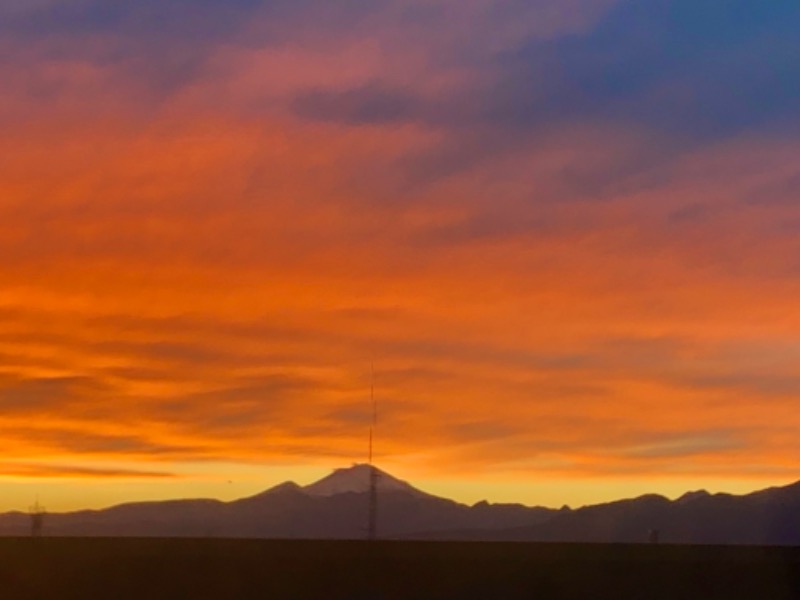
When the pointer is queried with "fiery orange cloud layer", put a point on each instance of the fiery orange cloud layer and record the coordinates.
(209, 278)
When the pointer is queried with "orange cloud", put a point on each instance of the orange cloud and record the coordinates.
(209, 278)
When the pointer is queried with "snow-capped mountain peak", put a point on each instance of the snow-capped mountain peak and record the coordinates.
(356, 479)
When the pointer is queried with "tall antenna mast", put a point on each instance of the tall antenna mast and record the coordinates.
(372, 520)
(37, 513)
(374, 420)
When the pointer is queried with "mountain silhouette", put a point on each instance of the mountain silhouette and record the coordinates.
(766, 517)
(356, 480)
(335, 507)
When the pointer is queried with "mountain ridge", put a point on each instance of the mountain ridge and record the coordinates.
(335, 507)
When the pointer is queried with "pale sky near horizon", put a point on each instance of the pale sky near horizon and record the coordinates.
(565, 232)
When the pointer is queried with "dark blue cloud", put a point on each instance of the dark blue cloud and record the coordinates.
(679, 72)
(695, 66)
(695, 69)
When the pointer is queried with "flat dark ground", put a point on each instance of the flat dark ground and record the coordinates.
(121, 568)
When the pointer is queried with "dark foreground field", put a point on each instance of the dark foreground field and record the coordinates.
(240, 569)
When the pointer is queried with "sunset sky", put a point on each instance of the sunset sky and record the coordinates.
(565, 232)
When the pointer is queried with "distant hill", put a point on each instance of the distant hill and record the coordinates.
(335, 507)
(767, 517)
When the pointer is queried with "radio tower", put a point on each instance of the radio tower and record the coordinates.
(372, 520)
(37, 513)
